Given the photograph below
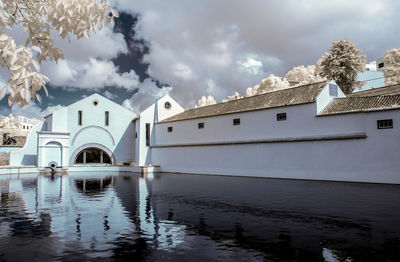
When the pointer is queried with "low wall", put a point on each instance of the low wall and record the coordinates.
(355, 160)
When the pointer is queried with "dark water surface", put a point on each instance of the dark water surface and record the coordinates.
(121, 217)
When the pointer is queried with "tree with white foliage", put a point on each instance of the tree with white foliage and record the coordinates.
(9, 125)
(251, 91)
(392, 66)
(272, 83)
(343, 64)
(235, 96)
(205, 101)
(39, 18)
(301, 75)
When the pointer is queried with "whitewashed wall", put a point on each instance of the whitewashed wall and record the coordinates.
(258, 125)
(27, 155)
(371, 159)
(117, 138)
(154, 113)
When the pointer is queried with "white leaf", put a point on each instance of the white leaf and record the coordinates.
(3, 91)
(39, 98)
(45, 90)
(36, 65)
(37, 49)
(3, 37)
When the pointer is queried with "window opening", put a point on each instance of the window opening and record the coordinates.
(80, 117)
(281, 117)
(385, 124)
(147, 134)
(107, 120)
(236, 121)
(93, 155)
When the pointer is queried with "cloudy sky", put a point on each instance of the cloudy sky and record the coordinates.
(194, 48)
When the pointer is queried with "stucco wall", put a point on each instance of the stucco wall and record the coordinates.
(27, 155)
(154, 113)
(370, 159)
(117, 136)
(257, 125)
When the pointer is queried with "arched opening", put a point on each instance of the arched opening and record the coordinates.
(92, 155)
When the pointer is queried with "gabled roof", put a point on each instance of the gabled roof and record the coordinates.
(385, 90)
(286, 97)
(378, 99)
(90, 97)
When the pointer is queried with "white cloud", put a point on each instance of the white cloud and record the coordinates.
(32, 110)
(87, 62)
(251, 66)
(147, 95)
(93, 74)
(109, 95)
(191, 44)
(127, 105)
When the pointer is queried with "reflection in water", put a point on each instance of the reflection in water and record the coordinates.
(195, 218)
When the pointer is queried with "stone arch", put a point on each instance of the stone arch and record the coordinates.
(51, 141)
(53, 153)
(99, 146)
(95, 127)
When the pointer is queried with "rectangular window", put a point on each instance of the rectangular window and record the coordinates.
(200, 125)
(236, 121)
(79, 118)
(380, 65)
(333, 90)
(281, 117)
(169, 129)
(107, 115)
(384, 124)
(147, 134)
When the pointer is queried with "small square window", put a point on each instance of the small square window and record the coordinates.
(281, 117)
(236, 121)
(200, 125)
(169, 129)
(380, 65)
(384, 124)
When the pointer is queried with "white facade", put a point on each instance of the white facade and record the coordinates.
(63, 136)
(307, 144)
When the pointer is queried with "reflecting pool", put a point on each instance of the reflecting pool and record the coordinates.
(175, 217)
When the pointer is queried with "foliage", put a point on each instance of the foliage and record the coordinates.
(251, 91)
(39, 18)
(10, 126)
(392, 66)
(235, 96)
(272, 83)
(342, 64)
(301, 75)
(205, 101)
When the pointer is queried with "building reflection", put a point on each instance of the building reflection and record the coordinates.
(129, 216)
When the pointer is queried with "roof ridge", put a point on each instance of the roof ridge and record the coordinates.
(246, 97)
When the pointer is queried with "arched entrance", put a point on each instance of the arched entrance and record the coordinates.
(92, 154)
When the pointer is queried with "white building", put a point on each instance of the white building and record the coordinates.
(27, 123)
(305, 132)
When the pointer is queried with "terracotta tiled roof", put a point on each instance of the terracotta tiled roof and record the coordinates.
(291, 96)
(386, 90)
(353, 104)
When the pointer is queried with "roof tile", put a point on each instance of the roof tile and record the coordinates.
(291, 96)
